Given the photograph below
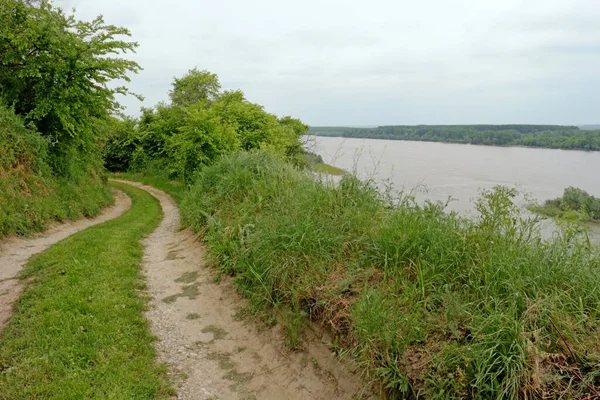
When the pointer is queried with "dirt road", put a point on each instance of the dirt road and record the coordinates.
(214, 355)
(15, 251)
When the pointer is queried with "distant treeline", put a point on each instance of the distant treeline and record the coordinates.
(548, 136)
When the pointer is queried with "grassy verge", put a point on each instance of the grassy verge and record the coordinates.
(31, 195)
(433, 305)
(328, 169)
(78, 330)
(28, 203)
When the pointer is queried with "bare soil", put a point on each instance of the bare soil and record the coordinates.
(16, 251)
(213, 354)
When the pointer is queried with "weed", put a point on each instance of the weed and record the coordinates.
(292, 326)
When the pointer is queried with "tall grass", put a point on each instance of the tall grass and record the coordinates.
(433, 305)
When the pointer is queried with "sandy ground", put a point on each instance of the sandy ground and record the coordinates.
(210, 353)
(15, 251)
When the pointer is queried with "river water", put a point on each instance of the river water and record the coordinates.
(437, 171)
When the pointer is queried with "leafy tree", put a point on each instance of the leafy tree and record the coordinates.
(56, 71)
(252, 123)
(157, 125)
(201, 139)
(575, 199)
(195, 86)
(202, 123)
(120, 142)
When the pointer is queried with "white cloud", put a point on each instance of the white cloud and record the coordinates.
(378, 62)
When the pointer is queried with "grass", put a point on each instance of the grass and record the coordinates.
(78, 330)
(328, 169)
(158, 179)
(31, 195)
(30, 202)
(431, 304)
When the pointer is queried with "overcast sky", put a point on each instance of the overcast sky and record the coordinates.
(375, 62)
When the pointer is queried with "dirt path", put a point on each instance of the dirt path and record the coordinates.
(212, 354)
(15, 251)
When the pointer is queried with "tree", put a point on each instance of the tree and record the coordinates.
(195, 86)
(201, 139)
(56, 71)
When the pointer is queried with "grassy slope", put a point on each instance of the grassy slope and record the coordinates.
(29, 202)
(78, 330)
(31, 196)
(328, 169)
(433, 305)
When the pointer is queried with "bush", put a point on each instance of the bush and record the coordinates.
(574, 201)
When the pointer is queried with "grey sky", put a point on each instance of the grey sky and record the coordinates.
(375, 62)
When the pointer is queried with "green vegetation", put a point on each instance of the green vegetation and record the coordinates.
(434, 305)
(574, 204)
(30, 194)
(200, 124)
(78, 330)
(548, 136)
(55, 102)
(315, 162)
(328, 169)
(158, 179)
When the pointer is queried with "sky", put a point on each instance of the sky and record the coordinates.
(377, 62)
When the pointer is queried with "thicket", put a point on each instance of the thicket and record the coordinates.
(432, 304)
(201, 123)
(55, 100)
(575, 202)
(547, 136)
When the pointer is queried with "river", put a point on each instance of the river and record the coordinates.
(437, 171)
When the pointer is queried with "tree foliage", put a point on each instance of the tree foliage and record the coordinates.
(195, 86)
(202, 123)
(574, 199)
(56, 71)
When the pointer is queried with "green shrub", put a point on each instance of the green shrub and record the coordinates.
(575, 204)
